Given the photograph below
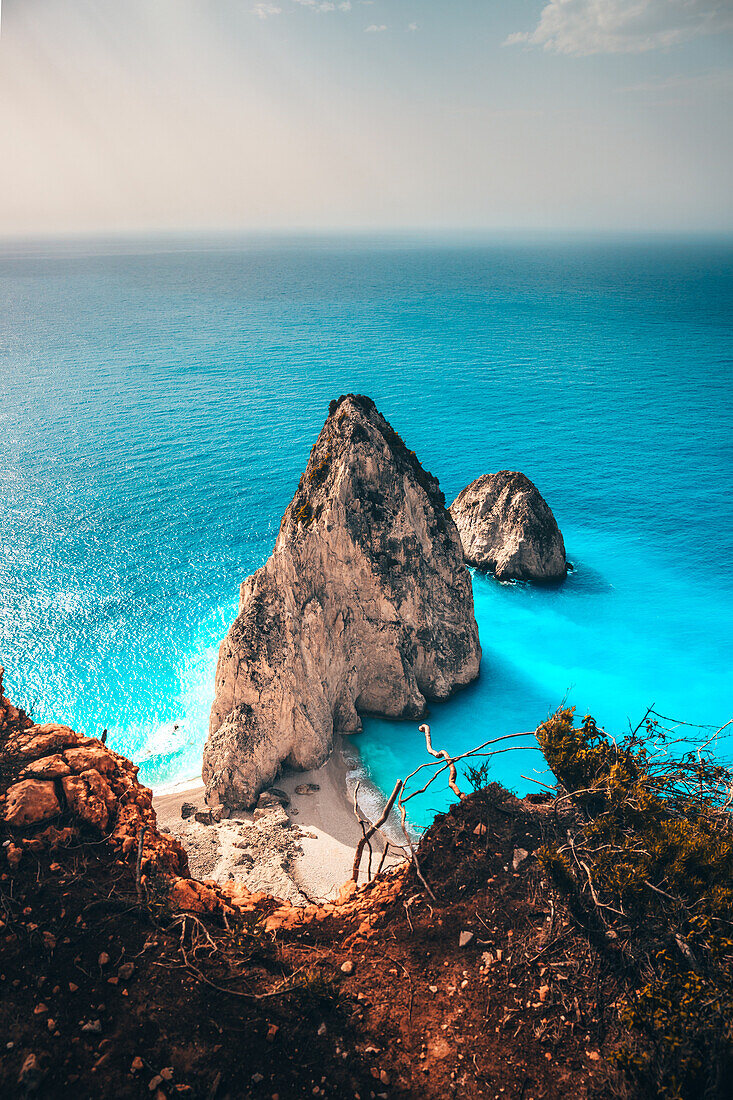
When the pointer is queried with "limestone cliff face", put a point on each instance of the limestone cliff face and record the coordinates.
(506, 526)
(364, 607)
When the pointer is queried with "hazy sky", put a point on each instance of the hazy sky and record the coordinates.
(496, 114)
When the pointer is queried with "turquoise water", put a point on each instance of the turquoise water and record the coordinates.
(159, 401)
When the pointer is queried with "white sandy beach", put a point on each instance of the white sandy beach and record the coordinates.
(308, 858)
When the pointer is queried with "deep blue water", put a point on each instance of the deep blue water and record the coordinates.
(158, 403)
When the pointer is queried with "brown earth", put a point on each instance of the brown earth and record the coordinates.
(108, 988)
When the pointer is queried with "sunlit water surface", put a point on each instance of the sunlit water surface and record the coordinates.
(159, 402)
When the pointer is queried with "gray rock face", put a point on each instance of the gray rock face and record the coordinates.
(506, 526)
(364, 607)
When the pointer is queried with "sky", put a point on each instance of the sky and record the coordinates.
(319, 115)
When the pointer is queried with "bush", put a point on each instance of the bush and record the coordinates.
(650, 858)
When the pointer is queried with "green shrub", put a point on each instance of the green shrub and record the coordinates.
(650, 856)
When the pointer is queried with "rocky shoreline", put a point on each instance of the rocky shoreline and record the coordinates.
(300, 852)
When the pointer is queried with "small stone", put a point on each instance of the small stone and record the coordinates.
(137, 1064)
(31, 1074)
(73, 987)
(167, 1073)
(464, 939)
(153, 1084)
(103, 959)
(272, 1031)
(384, 1077)
(433, 988)
(51, 1024)
(257, 1078)
(203, 817)
(188, 809)
(93, 1026)
(125, 971)
(347, 967)
(520, 854)
(480, 830)
(40, 1009)
(321, 1030)
(594, 1055)
(544, 993)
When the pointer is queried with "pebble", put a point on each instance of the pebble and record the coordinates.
(520, 854)
(93, 1026)
(153, 1084)
(347, 967)
(464, 939)
(167, 1073)
(321, 1030)
(137, 1064)
(31, 1073)
(103, 959)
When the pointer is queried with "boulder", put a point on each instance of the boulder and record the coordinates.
(507, 527)
(48, 767)
(364, 607)
(30, 801)
(89, 797)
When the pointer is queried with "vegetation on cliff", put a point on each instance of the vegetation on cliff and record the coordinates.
(648, 864)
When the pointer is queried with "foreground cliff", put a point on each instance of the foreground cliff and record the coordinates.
(533, 950)
(507, 527)
(165, 987)
(364, 607)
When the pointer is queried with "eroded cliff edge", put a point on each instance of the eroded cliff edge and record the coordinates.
(365, 606)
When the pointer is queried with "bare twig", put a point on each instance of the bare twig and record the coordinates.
(373, 828)
(437, 753)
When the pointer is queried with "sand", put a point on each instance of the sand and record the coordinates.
(303, 854)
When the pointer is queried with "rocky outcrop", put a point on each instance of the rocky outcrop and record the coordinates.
(364, 607)
(506, 526)
(52, 776)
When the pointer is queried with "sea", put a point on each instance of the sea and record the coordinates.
(158, 401)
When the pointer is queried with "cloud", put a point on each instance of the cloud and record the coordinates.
(325, 5)
(412, 26)
(585, 27)
(264, 10)
(375, 28)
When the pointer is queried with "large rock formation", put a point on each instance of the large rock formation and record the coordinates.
(364, 607)
(506, 526)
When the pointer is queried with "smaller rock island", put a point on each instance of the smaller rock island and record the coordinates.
(507, 527)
